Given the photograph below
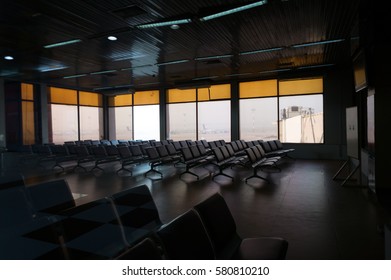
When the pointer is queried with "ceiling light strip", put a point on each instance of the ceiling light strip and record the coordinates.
(317, 43)
(62, 44)
(205, 78)
(172, 62)
(275, 71)
(74, 76)
(262, 51)
(103, 72)
(213, 57)
(315, 66)
(235, 10)
(164, 23)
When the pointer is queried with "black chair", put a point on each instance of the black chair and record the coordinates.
(147, 249)
(221, 227)
(185, 238)
(51, 197)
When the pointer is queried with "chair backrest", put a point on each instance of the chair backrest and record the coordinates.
(202, 150)
(266, 146)
(124, 152)
(146, 249)
(185, 238)
(205, 143)
(137, 212)
(162, 150)
(218, 154)
(235, 146)
(186, 154)
(240, 145)
(177, 145)
(136, 150)
(279, 144)
(225, 152)
(219, 223)
(257, 153)
(152, 153)
(111, 150)
(51, 197)
(194, 150)
(171, 149)
(230, 150)
(273, 145)
(251, 156)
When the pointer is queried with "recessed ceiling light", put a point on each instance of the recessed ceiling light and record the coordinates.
(112, 38)
(175, 26)
(8, 57)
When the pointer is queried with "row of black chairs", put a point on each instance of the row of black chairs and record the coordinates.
(206, 231)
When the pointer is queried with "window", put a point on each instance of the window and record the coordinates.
(258, 118)
(120, 117)
(91, 116)
(64, 123)
(181, 114)
(28, 125)
(74, 114)
(290, 110)
(203, 113)
(146, 115)
(301, 110)
(258, 110)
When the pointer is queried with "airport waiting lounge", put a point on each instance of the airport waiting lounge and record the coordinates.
(194, 130)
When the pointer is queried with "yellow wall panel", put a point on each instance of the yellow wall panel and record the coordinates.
(146, 97)
(62, 96)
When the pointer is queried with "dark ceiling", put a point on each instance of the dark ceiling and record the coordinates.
(219, 49)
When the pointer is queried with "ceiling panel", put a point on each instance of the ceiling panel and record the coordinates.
(262, 39)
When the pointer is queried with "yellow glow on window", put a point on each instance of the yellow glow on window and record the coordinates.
(27, 91)
(215, 92)
(301, 86)
(90, 99)
(62, 96)
(180, 96)
(146, 97)
(258, 89)
(28, 125)
(120, 100)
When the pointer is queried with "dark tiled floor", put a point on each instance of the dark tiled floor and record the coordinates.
(321, 219)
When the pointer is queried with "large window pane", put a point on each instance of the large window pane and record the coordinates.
(120, 123)
(182, 121)
(214, 120)
(91, 123)
(258, 119)
(146, 122)
(64, 123)
(301, 119)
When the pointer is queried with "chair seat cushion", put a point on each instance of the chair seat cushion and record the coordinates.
(262, 248)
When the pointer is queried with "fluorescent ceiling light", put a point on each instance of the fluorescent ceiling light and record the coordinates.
(261, 51)
(213, 57)
(54, 68)
(74, 76)
(275, 71)
(317, 43)
(102, 88)
(164, 23)
(103, 72)
(315, 66)
(172, 62)
(235, 10)
(62, 44)
(205, 78)
(8, 57)
(238, 74)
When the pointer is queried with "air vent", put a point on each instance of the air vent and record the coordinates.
(128, 12)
